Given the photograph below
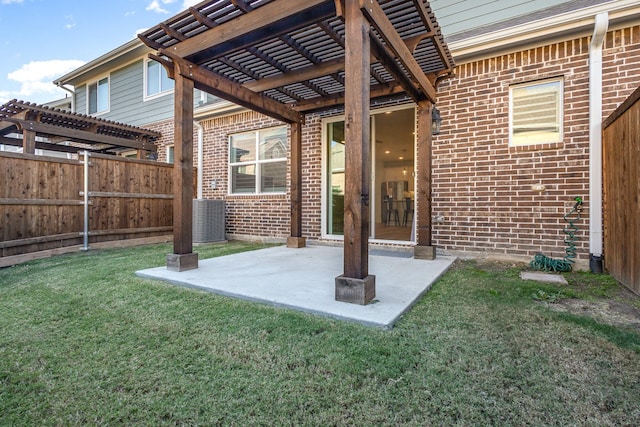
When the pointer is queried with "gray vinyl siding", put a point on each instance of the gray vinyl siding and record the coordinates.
(463, 17)
(127, 104)
(126, 98)
(81, 99)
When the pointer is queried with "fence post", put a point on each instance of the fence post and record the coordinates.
(85, 245)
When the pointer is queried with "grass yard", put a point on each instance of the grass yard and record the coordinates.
(85, 342)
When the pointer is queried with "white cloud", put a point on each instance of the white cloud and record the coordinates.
(5, 96)
(70, 22)
(188, 3)
(10, 1)
(155, 6)
(35, 79)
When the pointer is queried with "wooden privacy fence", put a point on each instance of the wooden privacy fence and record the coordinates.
(621, 182)
(42, 203)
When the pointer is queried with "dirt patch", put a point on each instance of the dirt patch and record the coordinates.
(610, 312)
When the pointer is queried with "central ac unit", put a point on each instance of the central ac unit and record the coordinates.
(208, 220)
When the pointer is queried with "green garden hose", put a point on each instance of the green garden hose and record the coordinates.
(543, 262)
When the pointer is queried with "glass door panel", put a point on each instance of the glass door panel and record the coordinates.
(393, 167)
(335, 179)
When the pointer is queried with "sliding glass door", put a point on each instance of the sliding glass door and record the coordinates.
(392, 181)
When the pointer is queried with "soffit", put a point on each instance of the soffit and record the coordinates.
(105, 64)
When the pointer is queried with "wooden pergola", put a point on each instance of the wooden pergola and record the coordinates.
(286, 58)
(68, 132)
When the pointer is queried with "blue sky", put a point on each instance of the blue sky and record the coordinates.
(41, 40)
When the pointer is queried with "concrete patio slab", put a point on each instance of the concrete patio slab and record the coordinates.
(304, 279)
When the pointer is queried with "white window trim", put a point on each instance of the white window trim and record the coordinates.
(560, 138)
(324, 182)
(145, 95)
(88, 100)
(257, 162)
(167, 153)
(128, 153)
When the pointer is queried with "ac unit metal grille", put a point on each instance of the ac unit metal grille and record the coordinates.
(208, 220)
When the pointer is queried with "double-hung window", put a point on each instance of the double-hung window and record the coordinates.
(98, 96)
(157, 80)
(258, 161)
(536, 112)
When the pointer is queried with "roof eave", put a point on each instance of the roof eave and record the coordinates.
(573, 23)
(102, 62)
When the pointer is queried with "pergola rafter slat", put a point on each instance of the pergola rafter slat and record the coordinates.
(217, 85)
(272, 20)
(251, 73)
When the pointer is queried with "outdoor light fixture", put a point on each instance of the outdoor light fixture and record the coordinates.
(436, 121)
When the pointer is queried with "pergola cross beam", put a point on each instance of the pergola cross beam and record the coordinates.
(215, 84)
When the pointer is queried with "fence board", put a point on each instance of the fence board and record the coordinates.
(621, 188)
(41, 201)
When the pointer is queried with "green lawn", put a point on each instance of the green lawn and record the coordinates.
(83, 341)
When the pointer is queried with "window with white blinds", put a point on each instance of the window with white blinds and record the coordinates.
(535, 112)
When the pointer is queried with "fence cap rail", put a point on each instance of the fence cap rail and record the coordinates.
(628, 103)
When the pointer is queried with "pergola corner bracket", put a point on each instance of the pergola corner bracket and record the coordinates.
(379, 20)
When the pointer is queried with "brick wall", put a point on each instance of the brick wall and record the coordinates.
(482, 187)
(620, 67)
(166, 129)
(263, 216)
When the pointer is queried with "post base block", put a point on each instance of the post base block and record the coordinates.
(296, 242)
(182, 262)
(355, 291)
(424, 252)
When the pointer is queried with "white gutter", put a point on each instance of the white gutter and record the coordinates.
(73, 95)
(595, 141)
(200, 156)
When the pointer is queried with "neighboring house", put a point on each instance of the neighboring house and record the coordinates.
(64, 104)
(520, 125)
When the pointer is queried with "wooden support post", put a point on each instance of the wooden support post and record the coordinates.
(424, 249)
(356, 285)
(296, 240)
(183, 258)
(28, 141)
